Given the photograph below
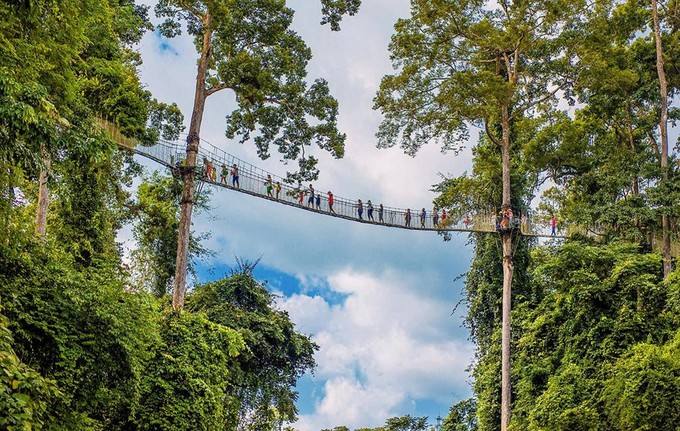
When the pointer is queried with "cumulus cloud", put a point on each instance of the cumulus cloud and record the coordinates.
(384, 346)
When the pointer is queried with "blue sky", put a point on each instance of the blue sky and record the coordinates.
(378, 301)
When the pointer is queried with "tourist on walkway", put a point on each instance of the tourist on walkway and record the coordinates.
(407, 218)
(381, 210)
(553, 225)
(369, 207)
(310, 199)
(360, 209)
(224, 174)
(277, 189)
(467, 221)
(435, 216)
(206, 168)
(213, 172)
(331, 201)
(443, 217)
(301, 197)
(423, 214)
(318, 201)
(270, 186)
(234, 176)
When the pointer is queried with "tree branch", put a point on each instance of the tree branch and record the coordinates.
(215, 89)
(489, 134)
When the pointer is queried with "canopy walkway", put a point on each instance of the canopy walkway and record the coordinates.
(254, 181)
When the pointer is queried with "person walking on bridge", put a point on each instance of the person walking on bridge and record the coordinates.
(269, 184)
(435, 216)
(407, 218)
(234, 176)
(360, 209)
(423, 215)
(213, 172)
(224, 174)
(331, 201)
(301, 195)
(369, 206)
(277, 189)
(553, 225)
(381, 210)
(310, 199)
(443, 216)
(318, 201)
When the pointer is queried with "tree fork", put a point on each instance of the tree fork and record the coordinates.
(663, 129)
(188, 174)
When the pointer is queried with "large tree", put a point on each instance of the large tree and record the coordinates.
(248, 47)
(475, 63)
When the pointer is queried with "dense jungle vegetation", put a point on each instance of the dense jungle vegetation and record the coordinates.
(89, 341)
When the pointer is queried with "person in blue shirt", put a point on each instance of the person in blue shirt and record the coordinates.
(360, 209)
(369, 207)
(423, 214)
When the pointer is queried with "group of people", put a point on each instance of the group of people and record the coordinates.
(210, 173)
(370, 210)
(437, 221)
(505, 219)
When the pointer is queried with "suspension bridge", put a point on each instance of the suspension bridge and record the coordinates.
(262, 184)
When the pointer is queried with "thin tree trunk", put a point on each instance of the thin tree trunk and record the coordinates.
(635, 186)
(663, 128)
(507, 278)
(43, 194)
(188, 172)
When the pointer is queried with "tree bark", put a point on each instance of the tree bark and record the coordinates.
(189, 172)
(43, 194)
(507, 277)
(663, 129)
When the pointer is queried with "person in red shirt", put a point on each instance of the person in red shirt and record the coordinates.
(330, 202)
(553, 225)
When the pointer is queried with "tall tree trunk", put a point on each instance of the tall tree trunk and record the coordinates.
(43, 194)
(663, 128)
(188, 172)
(507, 277)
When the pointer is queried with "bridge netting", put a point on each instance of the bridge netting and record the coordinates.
(253, 180)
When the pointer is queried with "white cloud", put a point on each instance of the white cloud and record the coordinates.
(383, 346)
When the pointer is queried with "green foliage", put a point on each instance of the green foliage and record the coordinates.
(642, 390)
(275, 355)
(186, 386)
(156, 212)
(401, 423)
(24, 393)
(462, 417)
(573, 358)
(80, 328)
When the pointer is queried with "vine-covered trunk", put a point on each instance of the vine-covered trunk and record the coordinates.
(189, 173)
(507, 277)
(663, 129)
(43, 195)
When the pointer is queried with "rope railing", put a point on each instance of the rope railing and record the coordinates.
(258, 182)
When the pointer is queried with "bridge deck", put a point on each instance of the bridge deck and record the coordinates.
(253, 181)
